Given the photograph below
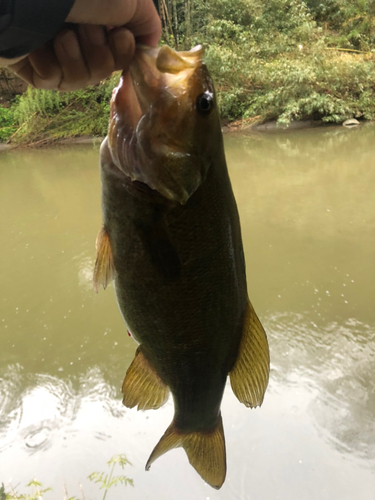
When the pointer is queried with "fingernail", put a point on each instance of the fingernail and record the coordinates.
(69, 43)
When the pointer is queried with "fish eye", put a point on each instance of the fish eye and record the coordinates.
(205, 103)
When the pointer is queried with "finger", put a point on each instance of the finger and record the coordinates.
(122, 44)
(40, 69)
(140, 16)
(96, 51)
(9, 62)
(71, 60)
(24, 70)
(47, 73)
(145, 24)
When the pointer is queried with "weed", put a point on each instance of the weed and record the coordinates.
(105, 480)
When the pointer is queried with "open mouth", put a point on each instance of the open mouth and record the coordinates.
(154, 72)
(145, 109)
(162, 70)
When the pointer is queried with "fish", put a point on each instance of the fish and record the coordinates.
(171, 241)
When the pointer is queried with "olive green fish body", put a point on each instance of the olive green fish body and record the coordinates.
(171, 240)
(180, 285)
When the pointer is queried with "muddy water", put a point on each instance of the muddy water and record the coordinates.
(307, 206)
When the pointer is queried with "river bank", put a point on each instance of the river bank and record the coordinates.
(294, 91)
(238, 127)
(282, 61)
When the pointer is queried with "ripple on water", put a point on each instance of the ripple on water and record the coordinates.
(37, 439)
(336, 362)
(47, 407)
(85, 271)
(10, 404)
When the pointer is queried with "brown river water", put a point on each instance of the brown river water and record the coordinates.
(307, 205)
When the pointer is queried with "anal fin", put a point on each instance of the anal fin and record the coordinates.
(142, 386)
(104, 270)
(205, 451)
(250, 373)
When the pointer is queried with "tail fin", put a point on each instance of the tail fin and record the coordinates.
(205, 451)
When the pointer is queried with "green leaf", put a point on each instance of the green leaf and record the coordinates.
(120, 460)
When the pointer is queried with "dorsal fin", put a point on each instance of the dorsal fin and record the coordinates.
(250, 374)
(104, 270)
(142, 386)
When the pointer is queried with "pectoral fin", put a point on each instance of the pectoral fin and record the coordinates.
(205, 451)
(104, 270)
(249, 376)
(142, 386)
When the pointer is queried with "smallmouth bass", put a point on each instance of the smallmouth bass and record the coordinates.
(171, 240)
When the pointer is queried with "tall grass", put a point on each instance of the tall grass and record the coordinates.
(42, 115)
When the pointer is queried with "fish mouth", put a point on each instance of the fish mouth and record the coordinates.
(156, 70)
(147, 133)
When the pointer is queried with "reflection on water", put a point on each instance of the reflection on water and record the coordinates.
(335, 363)
(306, 201)
(49, 406)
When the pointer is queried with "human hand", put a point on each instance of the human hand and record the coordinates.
(76, 59)
(87, 55)
(139, 16)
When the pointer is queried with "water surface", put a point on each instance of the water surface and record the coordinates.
(307, 207)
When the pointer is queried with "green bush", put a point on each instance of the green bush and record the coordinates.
(294, 88)
(7, 127)
(351, 22)
(241, 12)
(279, 67)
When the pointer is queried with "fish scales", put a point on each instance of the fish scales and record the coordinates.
(189, 330)
(171, 239)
